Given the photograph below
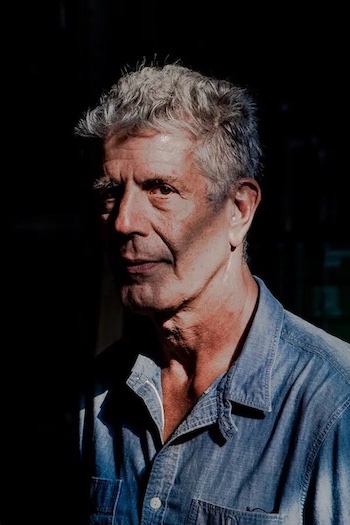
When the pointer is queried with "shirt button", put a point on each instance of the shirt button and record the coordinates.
(155, 503)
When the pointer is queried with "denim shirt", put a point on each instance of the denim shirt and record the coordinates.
(267, 444)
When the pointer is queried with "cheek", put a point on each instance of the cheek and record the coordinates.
(179, 233)
(204, 237)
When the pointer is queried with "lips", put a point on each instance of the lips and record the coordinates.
(139, 265)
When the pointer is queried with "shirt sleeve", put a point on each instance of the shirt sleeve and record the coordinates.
(328, 497)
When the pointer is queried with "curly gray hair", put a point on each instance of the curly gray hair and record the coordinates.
(220, 117)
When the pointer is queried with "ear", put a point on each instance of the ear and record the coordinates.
(245, 202)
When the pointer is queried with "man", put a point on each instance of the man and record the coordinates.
(218, 406)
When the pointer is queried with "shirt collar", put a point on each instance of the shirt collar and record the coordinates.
(249, 380)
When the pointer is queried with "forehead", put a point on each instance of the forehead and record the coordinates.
(167, 152)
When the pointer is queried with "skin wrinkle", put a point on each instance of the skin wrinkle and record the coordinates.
(180, 267)
(176, 224)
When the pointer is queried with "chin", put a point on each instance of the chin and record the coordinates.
(138, 302)
(146, 304)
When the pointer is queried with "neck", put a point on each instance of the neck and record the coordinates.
(204, 345)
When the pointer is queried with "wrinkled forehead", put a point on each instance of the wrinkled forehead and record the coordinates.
(162, 150)
(162, 138)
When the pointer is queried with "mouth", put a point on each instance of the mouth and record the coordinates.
(135, 266)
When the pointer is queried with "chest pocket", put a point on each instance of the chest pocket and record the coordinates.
(204, 513)
(104, 500)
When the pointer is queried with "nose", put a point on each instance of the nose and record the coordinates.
(132, 216)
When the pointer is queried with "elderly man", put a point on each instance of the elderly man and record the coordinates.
(220, 407)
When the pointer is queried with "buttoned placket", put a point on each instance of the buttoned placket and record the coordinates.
(211, 408)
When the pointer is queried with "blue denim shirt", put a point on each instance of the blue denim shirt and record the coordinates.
(267, 444)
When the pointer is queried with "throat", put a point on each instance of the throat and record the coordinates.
(181, 390)
(178, 397)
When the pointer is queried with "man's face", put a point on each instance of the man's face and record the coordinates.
(167, 246)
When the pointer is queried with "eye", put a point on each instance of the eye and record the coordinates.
(164, 189)
(107, 205)
(107, 196)
(158, 187)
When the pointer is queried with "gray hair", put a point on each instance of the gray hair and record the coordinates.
(219, 116)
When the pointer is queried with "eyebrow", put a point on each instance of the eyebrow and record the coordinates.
(100, 184)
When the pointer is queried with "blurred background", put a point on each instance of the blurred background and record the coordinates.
(59, 306)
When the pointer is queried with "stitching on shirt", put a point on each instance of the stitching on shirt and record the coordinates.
(316, 447)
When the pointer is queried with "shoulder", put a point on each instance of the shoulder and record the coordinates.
(312, 376)
(314, 343)
(112, 366)
(296, 346)
(106, 374)
(113, 363)
(316, 370)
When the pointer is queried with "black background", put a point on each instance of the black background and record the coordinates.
(57, 58)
